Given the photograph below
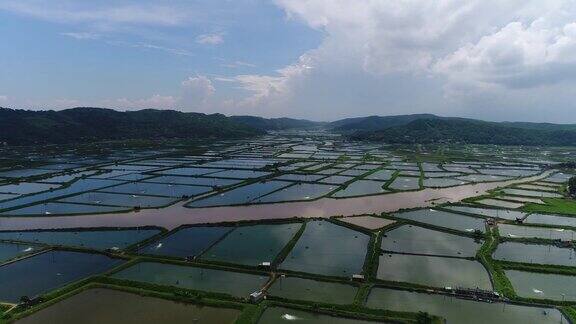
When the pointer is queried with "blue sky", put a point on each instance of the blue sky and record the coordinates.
(317, 59)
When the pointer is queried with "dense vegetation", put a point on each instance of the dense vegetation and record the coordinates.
(275, 123)
(22, 127)
(374, 123)
(457, 130)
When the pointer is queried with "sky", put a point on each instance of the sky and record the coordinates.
(323, 60)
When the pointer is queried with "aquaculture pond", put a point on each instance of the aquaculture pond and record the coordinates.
(382, 175)
(353, 172)
(93, 239)
(63, 209)
(368, 222)
(7, 196)
(419, 240)
(531, 193)
(492, 212)
(433, 271)
(23, 173)
(194, 181)
(444, 219)
(440, 174)
(325, 172)
(361, 188)
(273, 315)
(25, 188)
(187, 241)
(405, 183)
(99, 305)
(551, 220)
(313, 290)
(252, 245)
(300, 177)
(336, 179)
(517, 231)
(82, 185)
(457, 311)
(237, 284)
(12, 250)
(158, 189)
(522, 199)
(442, 182)
(499, 203)
(328, 249)
(482, 178)
(125, 200)
(188, 171)
(239, 174)
(534, 253)
(542, 285)
(537, 187)
(510, 172)
(299, 191)
(242, 195)
(50, 270)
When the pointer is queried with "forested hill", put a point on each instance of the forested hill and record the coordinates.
(374, 123)
(457, 130)
(23, 127)
(275, 123)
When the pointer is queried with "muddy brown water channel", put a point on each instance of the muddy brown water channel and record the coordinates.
(176, 215)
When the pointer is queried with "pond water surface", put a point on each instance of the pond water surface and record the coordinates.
(98, 306)
(457, 311)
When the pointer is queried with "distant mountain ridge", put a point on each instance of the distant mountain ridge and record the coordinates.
(24, 127)
(373, 123)
(461, 130)
(84, 124)
(275, 123)
(376, 123)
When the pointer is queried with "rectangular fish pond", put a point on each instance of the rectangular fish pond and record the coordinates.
(444, 219)
(99, 305)
(361, 188)
(328, 249)
(12, 250)
(457, 311)
(50, 270)
(237, 284)
(433, 271)
(405, 183)
(420, 240)
(313, 290)
(186, 241)
(499, 203)
(63, 209)
(125, 200)
(543, 285)
(551, 220)
(298, 191)
(93, 239)
(517, 231)
(489, 212)
(535, 253)
(241, 195)
(252, 245)
(273, 315)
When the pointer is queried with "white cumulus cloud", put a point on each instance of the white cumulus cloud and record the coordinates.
(210, 39)
(421, 53)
